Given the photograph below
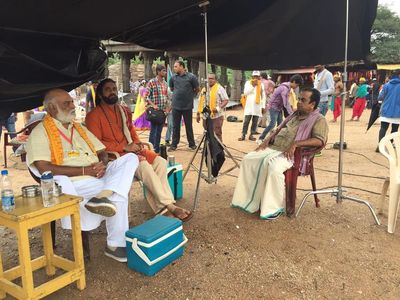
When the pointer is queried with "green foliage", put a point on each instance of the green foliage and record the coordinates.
(385, 37)
(136, 61)
(114, 59)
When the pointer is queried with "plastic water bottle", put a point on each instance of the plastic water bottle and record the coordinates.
(7, 193)
(47, 185)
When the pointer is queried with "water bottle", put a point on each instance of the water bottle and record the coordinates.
(7, 193)
(47, 185)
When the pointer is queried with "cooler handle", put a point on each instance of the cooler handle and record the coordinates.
(144, 257)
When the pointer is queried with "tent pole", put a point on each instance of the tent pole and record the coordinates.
(343, 119)
(338, 191)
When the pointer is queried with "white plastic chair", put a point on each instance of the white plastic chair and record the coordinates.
(389, 146)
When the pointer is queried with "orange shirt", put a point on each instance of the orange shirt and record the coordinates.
(105, 122)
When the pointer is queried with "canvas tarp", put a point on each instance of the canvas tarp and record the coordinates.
(46, 43)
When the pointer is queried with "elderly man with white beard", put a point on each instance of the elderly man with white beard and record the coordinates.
(80, 165)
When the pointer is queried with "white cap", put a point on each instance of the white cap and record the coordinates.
(256, 73)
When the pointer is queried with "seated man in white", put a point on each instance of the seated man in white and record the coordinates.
(261, 182)
(78, 161)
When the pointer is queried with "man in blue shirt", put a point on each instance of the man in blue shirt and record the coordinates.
(184, 86)
(390, 111)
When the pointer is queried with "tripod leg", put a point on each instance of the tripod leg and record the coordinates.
(227, 152)
(194, 156)
(365, 203)
(197, 193)
(209, 168)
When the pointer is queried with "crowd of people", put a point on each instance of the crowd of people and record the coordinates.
(293, 116)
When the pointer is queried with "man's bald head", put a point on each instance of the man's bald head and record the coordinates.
(59, 104)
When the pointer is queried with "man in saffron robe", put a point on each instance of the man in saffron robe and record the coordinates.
(78, 161)
(112, 125)
(261, 182)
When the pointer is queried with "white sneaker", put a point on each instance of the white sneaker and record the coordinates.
(259, 142)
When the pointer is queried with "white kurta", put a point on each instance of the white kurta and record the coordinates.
(252, 108)
(118, 178)
(261, 183)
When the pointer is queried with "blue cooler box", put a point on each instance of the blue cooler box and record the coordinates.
(154, 244)
(175, 179)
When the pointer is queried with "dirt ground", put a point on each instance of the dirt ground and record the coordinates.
(334, 252)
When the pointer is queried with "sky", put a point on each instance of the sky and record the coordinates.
(394, 5)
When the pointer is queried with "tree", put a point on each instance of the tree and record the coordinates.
(385, 37)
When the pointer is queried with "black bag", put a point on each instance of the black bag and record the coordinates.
(155, 116)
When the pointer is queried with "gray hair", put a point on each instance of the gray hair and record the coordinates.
(49, 97)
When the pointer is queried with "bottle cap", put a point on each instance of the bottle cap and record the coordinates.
(4, 172)
(47, 175)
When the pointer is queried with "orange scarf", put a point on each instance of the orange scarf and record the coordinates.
(213, 99)
(56, 149)
(258, 92)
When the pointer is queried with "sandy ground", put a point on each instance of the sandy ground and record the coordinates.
(334, 252)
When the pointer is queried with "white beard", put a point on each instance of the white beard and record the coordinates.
(64, 117)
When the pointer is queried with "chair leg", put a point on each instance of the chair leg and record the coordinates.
(291, 186)
(53, 233)
(385, 188)
(85, 244)
(314, 185)
(393, 206)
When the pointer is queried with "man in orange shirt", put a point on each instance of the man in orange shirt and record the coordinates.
(112, 125)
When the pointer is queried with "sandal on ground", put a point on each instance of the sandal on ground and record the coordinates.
(177, 213)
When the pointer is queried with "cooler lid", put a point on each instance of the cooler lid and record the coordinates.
(153, 229)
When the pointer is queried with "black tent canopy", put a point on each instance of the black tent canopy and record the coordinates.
(47, 43)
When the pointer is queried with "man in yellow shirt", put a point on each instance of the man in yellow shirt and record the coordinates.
(78, 161)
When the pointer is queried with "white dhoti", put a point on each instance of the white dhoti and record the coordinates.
(118, 178)
(261, 183)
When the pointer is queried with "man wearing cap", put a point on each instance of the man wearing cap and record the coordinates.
(255, 104)
(361, 100)
(325, 85)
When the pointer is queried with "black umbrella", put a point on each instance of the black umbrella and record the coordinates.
(375, 112)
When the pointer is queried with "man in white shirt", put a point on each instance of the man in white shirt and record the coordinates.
(325, 85)
(255, 104)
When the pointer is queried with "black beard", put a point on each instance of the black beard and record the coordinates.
(111, 100)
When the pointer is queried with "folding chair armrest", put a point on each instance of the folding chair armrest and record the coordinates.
(148, 145)
(112, 155)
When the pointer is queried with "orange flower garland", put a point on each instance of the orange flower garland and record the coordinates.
(56, 149)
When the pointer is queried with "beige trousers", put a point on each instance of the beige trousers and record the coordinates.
(154, 177)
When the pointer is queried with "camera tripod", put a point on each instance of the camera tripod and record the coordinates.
(206, 157)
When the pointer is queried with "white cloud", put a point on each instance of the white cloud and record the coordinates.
(394, 5)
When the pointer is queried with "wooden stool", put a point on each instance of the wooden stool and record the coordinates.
(30, 213)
